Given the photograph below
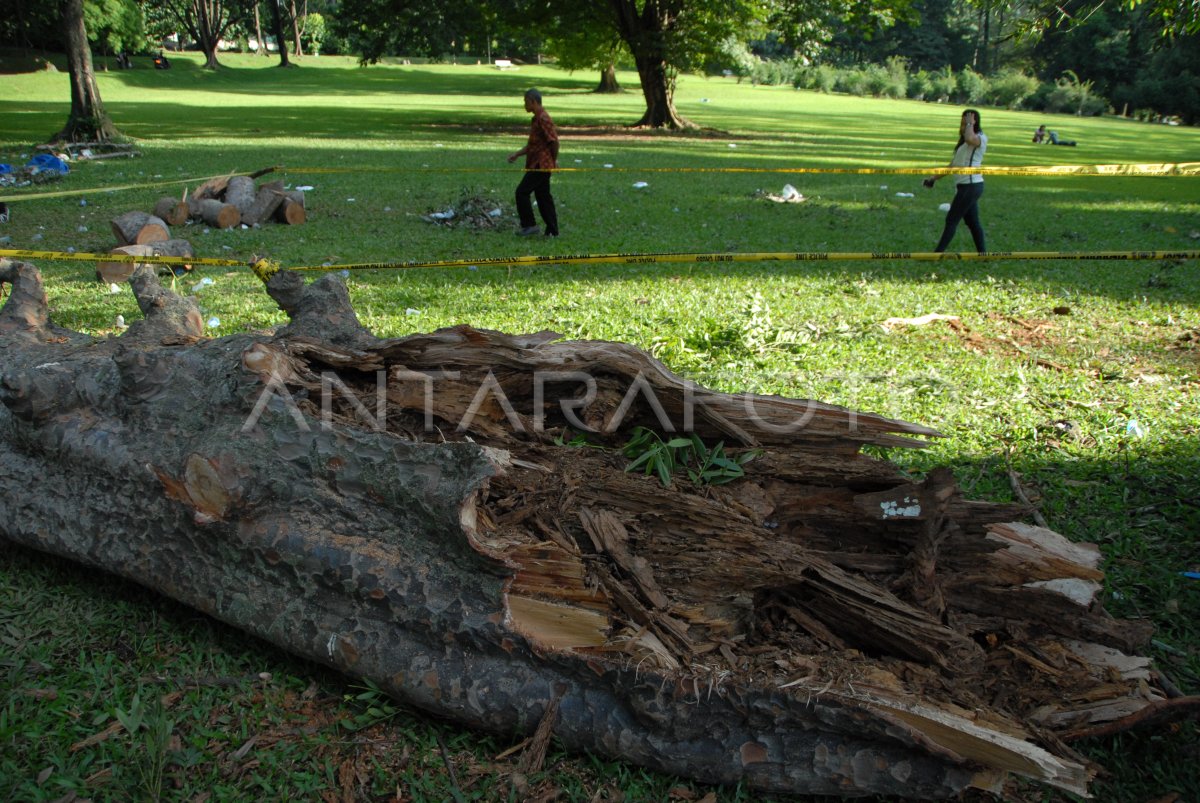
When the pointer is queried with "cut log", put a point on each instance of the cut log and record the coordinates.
(291, 210)
(172, 210)
(404, 511)
(240, 192)
(136, 228)
(218, 214)
(266, 201)
(213, 189)
(114, 272)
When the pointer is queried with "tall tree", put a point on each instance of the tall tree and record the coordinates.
(207, 21)
(277, 28)
(88, 119)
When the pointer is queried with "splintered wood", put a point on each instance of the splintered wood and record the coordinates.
(823, 573)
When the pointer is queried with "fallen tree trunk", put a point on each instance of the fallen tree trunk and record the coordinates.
(404, 510)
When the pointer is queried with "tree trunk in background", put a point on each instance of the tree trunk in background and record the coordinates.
(407, 511)
(258, 35)
(88, 121)
(608, 81)
(277, 25)
(643, 31)
(297, 47)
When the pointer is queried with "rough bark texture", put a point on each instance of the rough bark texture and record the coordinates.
(217, 214)
(240, 192)
(88, 119)
(644, 27)
(824, 625)
(266, 200)
(608, 81)
(173, 211)
(138, 228)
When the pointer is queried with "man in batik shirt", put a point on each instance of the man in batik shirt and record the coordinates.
(541, 156)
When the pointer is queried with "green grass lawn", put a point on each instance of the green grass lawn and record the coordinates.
(1082, 377)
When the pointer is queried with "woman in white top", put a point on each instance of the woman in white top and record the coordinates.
(972, 144)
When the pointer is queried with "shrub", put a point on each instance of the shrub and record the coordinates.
(875, 80)
(823, 78)
(852, 80)
(920, 85)
(943, 85)
(1010, 88)
(1072, 96)
(972, 87)
(897, 77)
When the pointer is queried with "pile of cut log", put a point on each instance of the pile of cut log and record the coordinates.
(222, 203)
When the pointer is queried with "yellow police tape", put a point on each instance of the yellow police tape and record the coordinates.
(73, 256)
(757, 256)
(1165, 169)
(264, 268)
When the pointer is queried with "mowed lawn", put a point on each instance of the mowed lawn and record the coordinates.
(1079, 377)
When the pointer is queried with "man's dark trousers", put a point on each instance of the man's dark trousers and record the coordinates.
(537, 183)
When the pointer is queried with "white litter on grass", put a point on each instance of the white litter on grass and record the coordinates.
(944, 207)
(733, 144)
(608, 165)
(120, 321)
(114, 288)
(905, 195)
(495, 212)
(214, 322)
(640, 184)
(83, 202)
(883, 186)
(788, 195)
(304, 187)
(350, 200)
(447, 215)
(411, 311)
(200, 285)
(345, 274)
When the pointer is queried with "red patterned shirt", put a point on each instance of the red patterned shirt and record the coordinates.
(539, 153)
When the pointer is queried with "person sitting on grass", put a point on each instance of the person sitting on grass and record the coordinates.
(1039, 136)
(541, 156)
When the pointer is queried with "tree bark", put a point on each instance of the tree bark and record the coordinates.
(644, 31)
(406, 511)
(136, 228)
(608, 81)
(88, 121)
(173, 211)
(277, 25)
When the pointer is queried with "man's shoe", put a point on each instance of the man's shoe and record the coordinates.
(528, 230)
